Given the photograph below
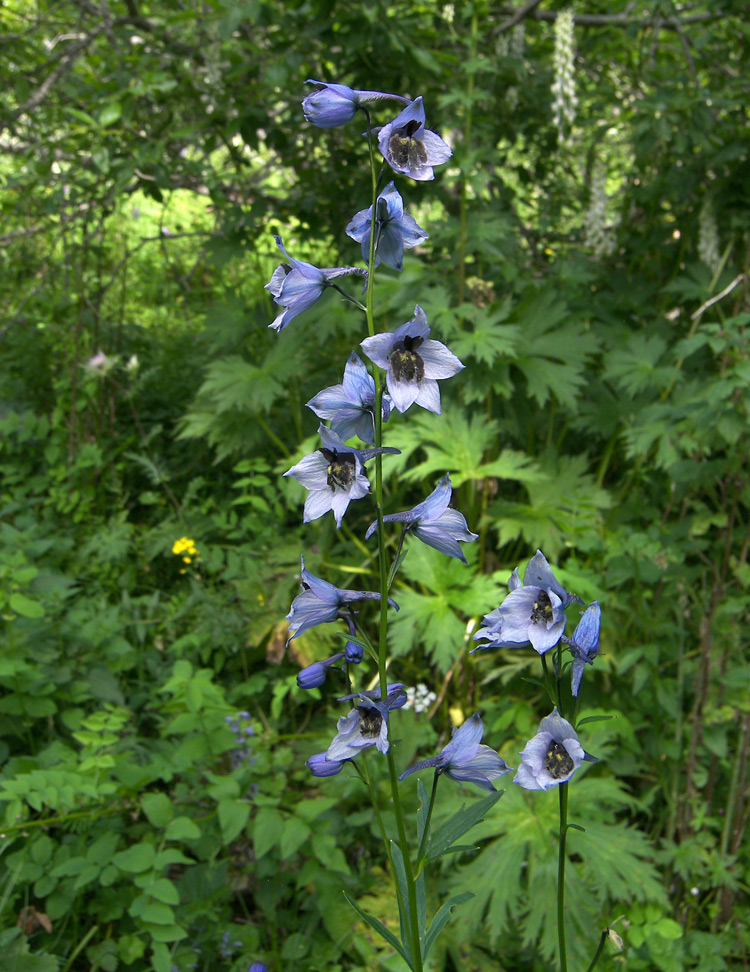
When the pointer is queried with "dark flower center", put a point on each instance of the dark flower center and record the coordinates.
(370, 722)
(405, 363)
(557, 762)
(543, 611)
(342, 469)
(405, 150)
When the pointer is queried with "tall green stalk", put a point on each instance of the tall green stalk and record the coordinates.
(412, 916)
(563, 791)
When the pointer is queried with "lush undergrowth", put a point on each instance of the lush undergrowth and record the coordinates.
(155, 804)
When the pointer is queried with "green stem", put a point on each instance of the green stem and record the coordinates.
(474, 31)
(563, 791)
(599, 950)
(413, 919)
(425, 835)
(411, 888)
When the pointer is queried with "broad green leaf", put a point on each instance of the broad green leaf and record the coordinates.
(233, 815)
(182, 828)
(158, 808)
(25, 606)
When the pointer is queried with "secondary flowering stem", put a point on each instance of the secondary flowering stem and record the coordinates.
(425, 834)
(563, 791)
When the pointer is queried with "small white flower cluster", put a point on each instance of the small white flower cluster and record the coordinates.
(420, 698)
(708, 237)
(517, 41)
(599, 234)
(565, 100)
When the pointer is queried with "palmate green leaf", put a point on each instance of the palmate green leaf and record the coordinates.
(565, 502)
(488, 338)
(457, 444)
(555, 348)
(233, 384)
(636, 369)
(434, 608)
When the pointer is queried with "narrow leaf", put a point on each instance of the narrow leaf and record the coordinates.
(380, 929)
(441, 919)
(596, 718)
(460, 823)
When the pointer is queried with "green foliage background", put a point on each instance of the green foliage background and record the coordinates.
(148, 153)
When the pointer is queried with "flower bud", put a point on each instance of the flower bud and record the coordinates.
(330, 106)
(353, 652)
(312, 676)
(320, 765)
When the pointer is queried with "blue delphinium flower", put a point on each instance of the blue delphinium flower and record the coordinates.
(433, 523)
(350, 406)
(584, 645)
(315, 675)
(395, 230)
(395, 689)
(320, 602)
(296, 285)
(365, 726)
(332, 105)
(533, 612)
(320, 765)
(413, 363)
(258, 967)
(408, 147)
(552, 756)
(334, 475)
(464, 759)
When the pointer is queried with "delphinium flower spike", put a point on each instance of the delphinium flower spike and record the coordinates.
(332, 105)
(584, 645)
(434, 523)
(413, 362)
(552, 756)
(408, 147)
(464, 759)
(320, 602)
(533, 612)
(395, 230)
(334, 474)
(350, 406)
(365, 726)
(296, 285)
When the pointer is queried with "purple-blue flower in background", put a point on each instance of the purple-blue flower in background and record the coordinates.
(350, 406)
(533, 613)
(395, 230)
(584, 645)
(332, 105)
(365, 726)
(434, 523)
(296, 286)
(413, 363)
(552, 756)
(320, 603)
(334, 474)
(464, 759)
(408, 147)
